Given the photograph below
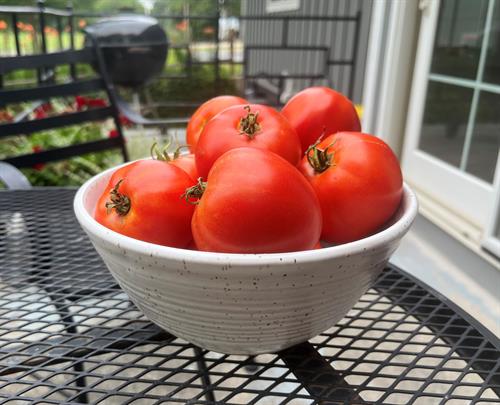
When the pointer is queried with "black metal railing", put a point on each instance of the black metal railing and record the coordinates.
(253, 66)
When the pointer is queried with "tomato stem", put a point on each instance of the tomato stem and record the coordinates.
(163, 154)
(319, 159)
(249, 125)
(120, 202)
(195, 192)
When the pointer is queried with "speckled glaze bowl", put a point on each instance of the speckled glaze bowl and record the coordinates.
(242, 303)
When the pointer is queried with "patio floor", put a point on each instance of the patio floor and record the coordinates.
(440, 261)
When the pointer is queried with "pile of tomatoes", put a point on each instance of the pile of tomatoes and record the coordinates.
(260, 181)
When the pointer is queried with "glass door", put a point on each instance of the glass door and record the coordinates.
(452, 136)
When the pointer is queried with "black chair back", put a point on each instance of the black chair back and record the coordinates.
(50, 89)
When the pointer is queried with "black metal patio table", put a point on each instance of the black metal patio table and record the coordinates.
(68, 334)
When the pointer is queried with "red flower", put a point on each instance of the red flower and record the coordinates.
(38, 166)
(81, 102)
(40, 113)
(96, 102)
(25, 27)
(85, 102)
(113, 133)
(47, 107)
(50, 31)
(208, 30)
(125, 121)
(182, 26)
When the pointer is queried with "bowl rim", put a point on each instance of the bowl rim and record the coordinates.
(392, 232)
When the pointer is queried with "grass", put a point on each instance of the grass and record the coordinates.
(30, 43)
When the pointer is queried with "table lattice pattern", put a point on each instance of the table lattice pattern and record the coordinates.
(68, 334)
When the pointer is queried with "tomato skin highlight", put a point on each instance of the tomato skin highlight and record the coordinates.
(318, 111)
(157, 212)
(256, 202)
(223, 133)
(205, 113)
(362, 188)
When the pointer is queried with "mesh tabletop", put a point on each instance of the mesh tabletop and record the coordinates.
(68, 334)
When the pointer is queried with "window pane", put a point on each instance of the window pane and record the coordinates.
(492, 67)
(458, 38)
(486, 137)
(445, 119)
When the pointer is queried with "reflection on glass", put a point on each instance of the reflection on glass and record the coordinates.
(483, 151)
(492, 67)
(445, 119)
(458, 37)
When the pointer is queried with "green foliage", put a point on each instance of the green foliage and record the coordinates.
(72, 172)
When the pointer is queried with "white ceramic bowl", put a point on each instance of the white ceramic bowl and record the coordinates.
(242, 303)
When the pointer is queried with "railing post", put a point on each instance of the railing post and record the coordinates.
(71, 25)
(16, 33)
(217, 48)
(59, 32)
(41, 18)
(41, 13)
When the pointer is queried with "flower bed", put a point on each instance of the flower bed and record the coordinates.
(71, 172)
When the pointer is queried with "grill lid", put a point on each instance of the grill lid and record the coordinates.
(134, 47)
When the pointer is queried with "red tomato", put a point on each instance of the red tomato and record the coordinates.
(254, 201)
(204, 113)
(142, 201)
(320, 110)
(358, 182)
(186, 163)
(317, 245)
(254, 125)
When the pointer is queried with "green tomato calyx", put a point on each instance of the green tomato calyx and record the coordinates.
(319, 159)
(120, 202)
(249, 125)
(193, 194)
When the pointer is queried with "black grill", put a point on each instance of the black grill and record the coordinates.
(134, 47)
(68, 334)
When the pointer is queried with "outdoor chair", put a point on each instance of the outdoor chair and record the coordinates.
(48, 90)
(115, 107)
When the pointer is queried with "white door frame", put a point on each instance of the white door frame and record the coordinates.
(389, 68)
(491, 242)
(470, 198)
